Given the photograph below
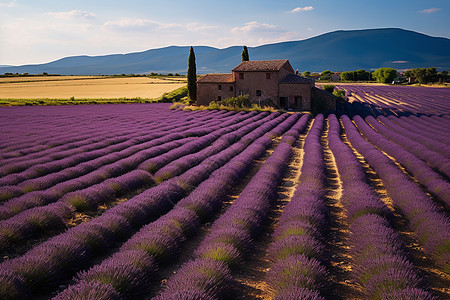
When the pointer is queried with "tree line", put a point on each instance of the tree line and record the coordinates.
(388, 75)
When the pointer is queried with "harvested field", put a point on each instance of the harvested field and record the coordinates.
(91, 87)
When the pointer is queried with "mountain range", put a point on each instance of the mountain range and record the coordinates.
(341, 50)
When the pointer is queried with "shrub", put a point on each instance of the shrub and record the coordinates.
(339, 93)
(236, 102)
(329, 88)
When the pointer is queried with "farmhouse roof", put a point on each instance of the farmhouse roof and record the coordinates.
(261, 65)
(292, 78)
(221, 78)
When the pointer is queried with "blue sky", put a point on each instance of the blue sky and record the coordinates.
(37, 31)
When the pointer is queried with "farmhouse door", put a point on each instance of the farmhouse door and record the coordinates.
(298, 102)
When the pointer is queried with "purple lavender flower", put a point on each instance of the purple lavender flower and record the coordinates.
(89, 290)
(409, 294)
(297, 271)
(192, 294)
(295, 293)
(128, 272)
(293, 244)
(210, 276)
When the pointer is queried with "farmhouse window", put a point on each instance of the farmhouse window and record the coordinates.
(258, 93)
(231, 88)
(219, 86)
(219, 98)
(241, 75)
(268, 75)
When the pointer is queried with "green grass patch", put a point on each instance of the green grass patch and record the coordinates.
(72, 101)
(177, 95)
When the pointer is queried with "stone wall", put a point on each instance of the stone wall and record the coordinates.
(208, 91)
(254, 81)
(293, 90)
(323, 101)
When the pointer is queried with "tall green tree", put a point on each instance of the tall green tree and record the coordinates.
(385, 75)
(424, 75)
(192, 77)
(245, 56)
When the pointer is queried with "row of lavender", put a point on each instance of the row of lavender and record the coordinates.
(97, 235)
(33, 129)
(426, 218)
(413, 155)
(380, 264)
(297, 249)
(208, 275)
(82, 194)
(89, 142)
(161, 240)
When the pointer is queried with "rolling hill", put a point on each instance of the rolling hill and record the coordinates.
(337, 51)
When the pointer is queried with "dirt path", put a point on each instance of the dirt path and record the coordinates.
(343, 285)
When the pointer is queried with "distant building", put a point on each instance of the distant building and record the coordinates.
(336, 76)
(273, 81)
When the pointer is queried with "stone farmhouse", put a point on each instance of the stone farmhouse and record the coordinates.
(273, 81)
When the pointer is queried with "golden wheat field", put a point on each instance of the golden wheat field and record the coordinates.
(86, 87)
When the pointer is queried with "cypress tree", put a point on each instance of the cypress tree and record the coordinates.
(245, 56)
(192, 77)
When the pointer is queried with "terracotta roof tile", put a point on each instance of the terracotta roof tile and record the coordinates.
(292, 78)
(222, 78)
(261, 65)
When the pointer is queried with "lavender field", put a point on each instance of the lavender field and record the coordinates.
(139, 201)
(397, 100)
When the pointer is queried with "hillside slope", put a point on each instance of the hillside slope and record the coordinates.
(337, 51)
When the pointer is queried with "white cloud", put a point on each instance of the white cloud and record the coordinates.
(10, 3)
(128, 24)
(73, 14)
(429, 10)
(139, 25)
(256, 27)
(299, 9)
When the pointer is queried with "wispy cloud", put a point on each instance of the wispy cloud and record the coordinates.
(9, 3)
(429, 10)
(299, 9)
(73, 14)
